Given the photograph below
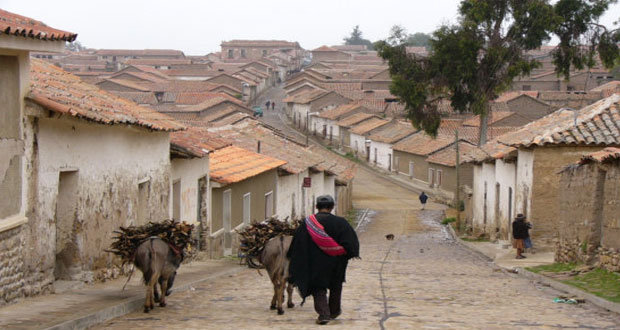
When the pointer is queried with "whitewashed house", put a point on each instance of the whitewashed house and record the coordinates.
(359, 134)
(303, 105)
(383, 139)
(517, 171)
(325, 124)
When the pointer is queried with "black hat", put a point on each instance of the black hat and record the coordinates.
(325, 199)
(520, 217)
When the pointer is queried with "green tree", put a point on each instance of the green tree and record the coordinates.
(356, 38)
(419, 39)
(470, 63)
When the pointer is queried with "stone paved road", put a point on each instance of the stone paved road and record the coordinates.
(421, 279)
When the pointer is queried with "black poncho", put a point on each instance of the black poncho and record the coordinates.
(311, 268)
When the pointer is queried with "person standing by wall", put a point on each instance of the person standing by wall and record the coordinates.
(520, 233)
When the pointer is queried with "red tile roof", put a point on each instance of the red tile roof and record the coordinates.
(602, 156)
(354, 119)
(305, 97)
(59, 91)
(494, 117)
(17, 25)
(233, 164)
(140, 52)
(392, 132)
(337, 112)
(507, 96)
(422, 144)
(447, 156)
(596, 124)
(260, 43)
(158, 61)
(195, 142)
(324, 48)
(368, 125)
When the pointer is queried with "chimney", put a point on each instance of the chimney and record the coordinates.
(258, 147)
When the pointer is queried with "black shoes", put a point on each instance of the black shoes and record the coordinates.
(322, 320)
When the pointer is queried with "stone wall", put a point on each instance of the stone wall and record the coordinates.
(12, 284)
(588, 215)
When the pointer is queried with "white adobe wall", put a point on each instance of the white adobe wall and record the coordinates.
(361, 146)
(478, 198)
(524, 181)
(329, 186)
(331, 124)
(317, 189)
(384, 154)
(110, 161)
(188, 172)
(488, 177)
(505, 175)
(288, 196)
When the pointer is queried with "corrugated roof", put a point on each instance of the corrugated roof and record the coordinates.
(368, 125)
(62, 92)
(233, 164)
(17, 25)
(596, 124)
(392, 132)
(196, 142)
(354, 119)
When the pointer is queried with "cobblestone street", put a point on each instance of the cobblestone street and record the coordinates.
(421, 279)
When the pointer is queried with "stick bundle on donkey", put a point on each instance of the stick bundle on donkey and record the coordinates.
(157, 249)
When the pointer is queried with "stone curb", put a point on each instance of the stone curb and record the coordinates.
(128, 305)
(598, 301)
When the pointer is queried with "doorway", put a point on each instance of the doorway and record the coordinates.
(66, 214)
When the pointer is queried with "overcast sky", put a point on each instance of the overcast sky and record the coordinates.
(197, 27)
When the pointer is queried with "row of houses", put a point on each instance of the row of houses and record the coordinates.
(79, 161)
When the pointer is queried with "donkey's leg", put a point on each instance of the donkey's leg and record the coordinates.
(289, 290)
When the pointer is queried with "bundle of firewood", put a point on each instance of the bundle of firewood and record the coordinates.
(254, 237)
(129, 238)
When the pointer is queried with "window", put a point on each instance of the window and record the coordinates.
(176, 200)
(246, 208)
(411, 169)
(230, 53)
(243, 53)
(526, 87)
(570, 88)
(439, 177)
(268, 204)
(431, 177)
(66, 210)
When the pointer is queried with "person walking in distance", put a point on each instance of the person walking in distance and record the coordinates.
(423, 198)
(520, 232)
(273, 105)
(267, 105)
(319, 254)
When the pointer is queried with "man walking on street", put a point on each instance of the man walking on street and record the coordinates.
(423, 198)
(319, 254)
(267, 105)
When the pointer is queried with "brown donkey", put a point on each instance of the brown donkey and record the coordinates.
(158, 262)
(276, 263)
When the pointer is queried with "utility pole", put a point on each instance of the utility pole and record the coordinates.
(458, 182)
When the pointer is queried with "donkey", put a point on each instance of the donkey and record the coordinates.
(273, 257)
(158, 262)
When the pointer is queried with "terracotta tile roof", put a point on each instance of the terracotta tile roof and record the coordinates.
(198, 97)
(138, 97)
(62, 92)
(231, 120)
(368, 125)
(260, 43)
(602, 156)
(494, 117)
(354, 119)
(340, 111)
(612, 85)
(507, 96)
(447, 156)
(597, 124)
(147, 77)
(343, 168)
(17, 25)
(492, 150)
(158, 61)
(185, 86)
(324, 48)
(140, 52)
(422, 144)
(247, 133)
(211, 102)
(392, 132)
(127, 83)
(149, 69)
(233, 164)
(305, 97)
(350, 48)
(219, 114)
(195, 142)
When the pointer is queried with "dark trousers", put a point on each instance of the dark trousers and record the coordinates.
(321, 304)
